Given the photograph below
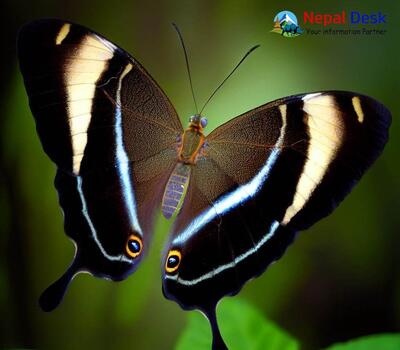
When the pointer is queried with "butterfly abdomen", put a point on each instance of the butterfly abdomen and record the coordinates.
(175, 190)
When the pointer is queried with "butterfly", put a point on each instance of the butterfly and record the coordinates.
(238, 195)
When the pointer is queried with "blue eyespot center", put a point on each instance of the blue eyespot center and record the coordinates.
(134, 246)
(173, 261)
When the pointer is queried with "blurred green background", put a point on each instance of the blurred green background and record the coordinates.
(341, 279)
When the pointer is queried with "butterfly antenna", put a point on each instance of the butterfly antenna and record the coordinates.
(187, 64)
(233, 71)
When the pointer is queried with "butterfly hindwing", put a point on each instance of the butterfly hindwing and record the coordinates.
(276, 170)
(107, 126)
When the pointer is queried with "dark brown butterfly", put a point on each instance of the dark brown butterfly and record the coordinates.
(240, 194)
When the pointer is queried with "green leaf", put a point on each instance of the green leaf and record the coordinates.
(242, 327)
(371, 342)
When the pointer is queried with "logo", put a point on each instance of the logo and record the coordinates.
(340, 23)
(285, 24)
(345, 23)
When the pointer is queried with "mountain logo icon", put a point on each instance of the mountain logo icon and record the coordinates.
(285, 24)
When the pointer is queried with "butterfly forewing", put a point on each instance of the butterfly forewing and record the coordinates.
(111, 132)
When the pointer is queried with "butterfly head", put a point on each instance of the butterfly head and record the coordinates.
(198, 121)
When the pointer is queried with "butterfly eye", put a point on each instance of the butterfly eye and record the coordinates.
(194, 119)
(173, 261)
(133, 246)
(203, 122)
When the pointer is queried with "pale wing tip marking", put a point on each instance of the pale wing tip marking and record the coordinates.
(62, 34)
(127, 69)
(310, 96)
(357, 108)
(282, 109)
(109, 45)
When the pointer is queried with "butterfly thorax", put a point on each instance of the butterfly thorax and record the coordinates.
(192, 142)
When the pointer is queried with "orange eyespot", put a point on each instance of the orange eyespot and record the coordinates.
(133, 246)
(173, 260)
